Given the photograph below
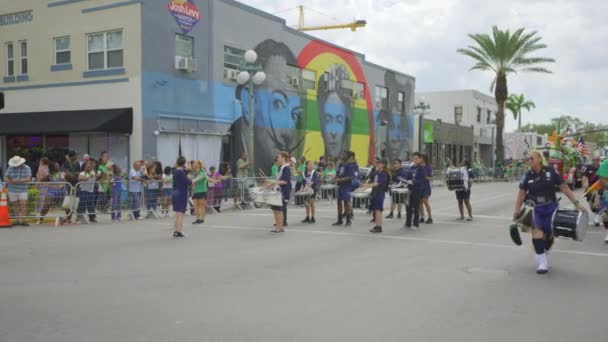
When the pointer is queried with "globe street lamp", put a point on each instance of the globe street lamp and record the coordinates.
(420, 110)
(251, 75)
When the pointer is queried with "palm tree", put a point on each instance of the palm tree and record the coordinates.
(504, 53)
(515, 104)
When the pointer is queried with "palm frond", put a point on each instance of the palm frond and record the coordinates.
(537, 69)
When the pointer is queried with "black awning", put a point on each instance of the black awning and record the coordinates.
(119, 120)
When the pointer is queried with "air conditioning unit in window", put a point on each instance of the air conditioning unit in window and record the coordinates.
(230, 74)
(186, 63)
(294, 81)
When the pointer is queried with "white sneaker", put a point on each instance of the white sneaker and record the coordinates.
(543, 263)
(596, 220)
(606, 238)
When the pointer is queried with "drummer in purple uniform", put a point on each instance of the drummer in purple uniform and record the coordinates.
(538, 186)
(379, 187)
(346, 178)
(400, 176)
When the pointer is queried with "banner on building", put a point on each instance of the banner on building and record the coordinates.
(186, 14)
(429, 133)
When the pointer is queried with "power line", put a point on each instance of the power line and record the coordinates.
(285, 10)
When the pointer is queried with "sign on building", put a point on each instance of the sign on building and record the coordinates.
(186, 14)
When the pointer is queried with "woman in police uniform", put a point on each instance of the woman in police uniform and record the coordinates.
(538, 186)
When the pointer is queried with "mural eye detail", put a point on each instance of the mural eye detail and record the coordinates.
(296, 114)
(340, 119)
(327, 118)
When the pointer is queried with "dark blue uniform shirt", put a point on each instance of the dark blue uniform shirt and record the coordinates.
(540, 187)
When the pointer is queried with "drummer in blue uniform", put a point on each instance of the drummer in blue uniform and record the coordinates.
(312, 182)
(379, 187)
(346, 180)
(400, 176)
(418, 188)
(538, 185)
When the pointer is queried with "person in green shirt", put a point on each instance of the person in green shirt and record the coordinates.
(199, 191)
(274, 170)
(329, 174)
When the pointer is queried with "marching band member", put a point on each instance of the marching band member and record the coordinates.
(538, 185)
(465, 195)
(400, 176)
(379, 187)
(283, 180)
(346, 178)
(418, 187)
(589, 178)
(310, 181)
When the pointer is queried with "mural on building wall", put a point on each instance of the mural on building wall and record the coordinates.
(324, 119)
(400, 123)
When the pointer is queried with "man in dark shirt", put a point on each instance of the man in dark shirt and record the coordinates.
(283, 180)
(347, 173)
(417, 189)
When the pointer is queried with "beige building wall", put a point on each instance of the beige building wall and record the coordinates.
(48, 90)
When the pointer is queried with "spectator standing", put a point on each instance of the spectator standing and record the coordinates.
(17, 176)
(166, 191)
(199, 192)
(86, 192)
(117, 183)
(136, 177)
(152, 190)
(55, 192)
(242, 166)
(42, 176)
(85, 159)
(216, 188)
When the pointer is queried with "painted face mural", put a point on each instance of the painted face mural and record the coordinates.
(400, 121)
(277, 107)
(335, 110)
(338, 111)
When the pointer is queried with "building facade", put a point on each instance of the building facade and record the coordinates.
(516, 143)
(469, 108)
(157, 78)
(447, 143)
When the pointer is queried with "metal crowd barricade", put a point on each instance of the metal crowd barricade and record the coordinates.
(115, 200)
(44, 201)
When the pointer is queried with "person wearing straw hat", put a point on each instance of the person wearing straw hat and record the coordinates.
(538, 187)
(18, 175)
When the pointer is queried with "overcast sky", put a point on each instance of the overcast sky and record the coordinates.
(420, 38)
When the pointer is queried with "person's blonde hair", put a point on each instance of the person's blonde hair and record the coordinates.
(198, 163)
(540, 155)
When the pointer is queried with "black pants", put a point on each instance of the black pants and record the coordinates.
(285, 213)
(413, 209)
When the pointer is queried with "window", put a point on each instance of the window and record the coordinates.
(23, 57)
(10, 60)
(489, 117)
(233, 59)
(359, 90)
(105, 50)
(309, 79)
(401, 101)
(457, 114)
(479, 114)
(184, 46)
(293, 76)
(62, 50)
(381, 97)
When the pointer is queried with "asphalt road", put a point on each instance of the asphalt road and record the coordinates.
(232, 280)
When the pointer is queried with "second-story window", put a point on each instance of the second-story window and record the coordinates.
(184, 46)
(401, 101)
(10, 59)
(105, 50)
(63, 54)
(489, 117)
(457, 114)
(479, 114)
(381, 97)
(23, 57)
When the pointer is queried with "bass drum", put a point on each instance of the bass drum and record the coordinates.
(570, 223)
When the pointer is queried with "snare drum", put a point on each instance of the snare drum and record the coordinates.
(399, 195)
(361, 197)
(266, 196)
(570, 223)
(328, 190)
(303, 196)
(454, 180)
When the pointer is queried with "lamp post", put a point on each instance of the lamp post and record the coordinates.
(493, 154)
(250, 74)
(421, 109)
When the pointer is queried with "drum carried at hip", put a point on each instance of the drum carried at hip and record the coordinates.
(570, 223)
(303, 196)
(454, 179)
(269, 196)
(399, 193)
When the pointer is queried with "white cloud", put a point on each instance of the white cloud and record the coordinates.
(420, 38)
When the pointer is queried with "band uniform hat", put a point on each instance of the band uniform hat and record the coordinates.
(603, 170)
(16, 161)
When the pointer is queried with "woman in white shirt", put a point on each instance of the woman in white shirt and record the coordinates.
(167, 190)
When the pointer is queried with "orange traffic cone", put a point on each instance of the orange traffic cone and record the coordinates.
(5, 219)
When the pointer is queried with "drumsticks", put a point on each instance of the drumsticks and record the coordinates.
(262, 173)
